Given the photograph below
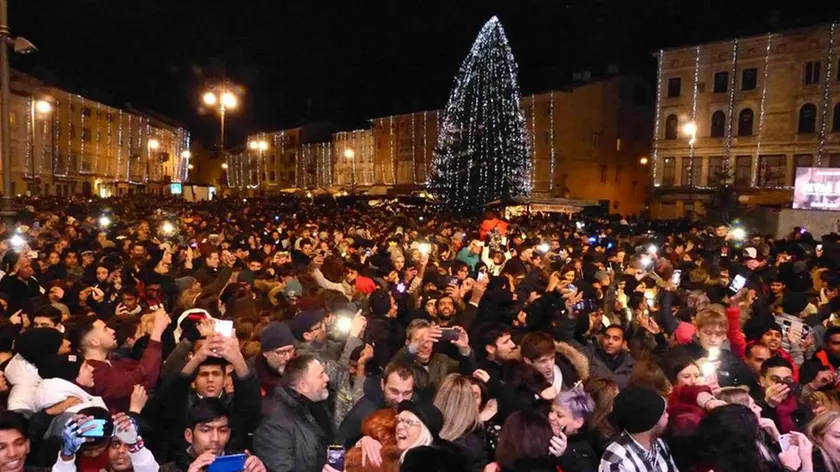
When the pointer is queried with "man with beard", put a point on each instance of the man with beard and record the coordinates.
(277, 346)
(640, 413)
(296, 436)
(395, 386)
(431, 368)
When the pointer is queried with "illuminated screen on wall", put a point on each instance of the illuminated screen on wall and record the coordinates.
(176, 189)
(817, 188)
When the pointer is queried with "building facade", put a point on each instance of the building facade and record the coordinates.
(65, 144)
(749, 111)
(586, 143)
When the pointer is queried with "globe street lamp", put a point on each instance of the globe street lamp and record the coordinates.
(349, 153)
(259, 146)
(223, 100)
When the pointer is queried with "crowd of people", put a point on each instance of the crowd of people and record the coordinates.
(261, 335)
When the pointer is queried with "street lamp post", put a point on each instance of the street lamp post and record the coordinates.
(224, 100)
(350, 154)
(23, 46)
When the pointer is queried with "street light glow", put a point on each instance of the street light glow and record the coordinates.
(224, 165)
(186, 154)
(43, 106)
(209, 98)
(228, 100)
(253, 145)
(349, 153)
(643, 161)
(154, 143)
(190, 167)
(263, 145)
(690, 129)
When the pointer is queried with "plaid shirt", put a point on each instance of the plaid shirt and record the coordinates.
(626, 455)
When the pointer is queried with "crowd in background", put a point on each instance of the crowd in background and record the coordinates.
(274, 335)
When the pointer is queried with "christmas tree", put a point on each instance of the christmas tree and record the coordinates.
(482, 153)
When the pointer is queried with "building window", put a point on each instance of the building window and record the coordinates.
(745, 122)
(273, 175)
(686, 177)
(808, 118)
(547, 137)
(721, 82)
(836, 126)
(292, 158)
(86, 135)
(718, 124)
(671, 125)
(669, 170)
(743, 171)
(72, 131)
(618, 174)
(603, 173)
(674, 85)
(715, 171)
(749, 79)
(771, 171)
(802, 160)
(812, 73)
(834, 160)
(86, 111)
(98, 136)
(547, 109)
(596, 140)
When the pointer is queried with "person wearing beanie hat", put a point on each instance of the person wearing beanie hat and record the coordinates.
(418, 440)
(277, 346)
(641, 415)
(382, 304)
(308, 326)
(185, 283)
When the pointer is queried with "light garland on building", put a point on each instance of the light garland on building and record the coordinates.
(83, 133)
(727, 154)
(693, 141)
(120, 144)
(43, 147)
(391, 148)
(474, 164)
(148, 152)
(754, 166)
(655, 164)
(30, 140)
(553, 155)
(533, 139)
(826, 94)
(56, 146)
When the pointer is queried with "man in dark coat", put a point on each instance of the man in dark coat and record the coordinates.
(296, 435)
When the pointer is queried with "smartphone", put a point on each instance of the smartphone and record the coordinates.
(481, 276)
(795, 388)
(335, 457)
(98, 430)
(194, 245)
(784, 442)
(449, 334)
(737, 283)
(232, 463)
(455, 281)
(676, 277)
(223, 327)
(571, 287)
(401, 287)
(819, 247)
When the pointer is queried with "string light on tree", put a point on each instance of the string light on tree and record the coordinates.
(482, 149)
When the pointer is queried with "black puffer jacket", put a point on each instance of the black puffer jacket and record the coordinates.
(441, 456)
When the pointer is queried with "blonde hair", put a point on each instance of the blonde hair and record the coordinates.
(710, 317)
(739, 395)
(456, 402)
(816, 431)
(425, 438)
(828, 400)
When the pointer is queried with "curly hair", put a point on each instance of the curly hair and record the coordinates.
(380, 425)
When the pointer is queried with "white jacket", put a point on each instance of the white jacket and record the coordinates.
(54, 391)
(24, 378)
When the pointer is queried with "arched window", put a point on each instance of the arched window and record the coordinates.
(718, 124)
(836, 126)
(745, 122)
(671, 125)
(808, 118)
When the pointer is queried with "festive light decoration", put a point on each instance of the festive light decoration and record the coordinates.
(754, 167)
(482, 149)
(693, 141)
(391, 149)
(425, 150)
(727, 153)
(654, 168)
(551, 138)
(826, 94)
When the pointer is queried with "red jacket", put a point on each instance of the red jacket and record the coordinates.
(115, 380)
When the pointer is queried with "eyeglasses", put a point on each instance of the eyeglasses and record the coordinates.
(408, 422)
(286, 352)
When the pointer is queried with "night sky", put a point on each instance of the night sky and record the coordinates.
(349, 60)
